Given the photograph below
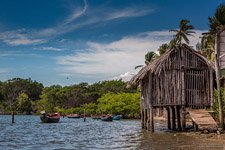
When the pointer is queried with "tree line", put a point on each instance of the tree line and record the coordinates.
(30, 97)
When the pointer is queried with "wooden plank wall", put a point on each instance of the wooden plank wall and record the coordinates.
(166, 87)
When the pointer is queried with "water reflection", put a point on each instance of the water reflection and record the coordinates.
(28, 133)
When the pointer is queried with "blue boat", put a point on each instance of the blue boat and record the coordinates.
(117, 117)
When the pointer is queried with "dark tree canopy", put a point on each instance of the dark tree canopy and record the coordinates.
(217, 21)
(27, 96)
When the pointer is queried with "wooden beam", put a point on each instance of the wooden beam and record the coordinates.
(183, 102)
(173, 118)
(148, 119)
(13, 118)
(151, 119)
(142, 119)
(195, 126)
(178, 118)
(183, 111)
(211, 90)
(168, 118)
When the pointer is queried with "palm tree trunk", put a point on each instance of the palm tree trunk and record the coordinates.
(221, 116)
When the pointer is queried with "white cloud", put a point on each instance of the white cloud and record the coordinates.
(129, 12)
(23, 41)
(88, 18)
(4, 70)
(70, 23)
(5, 54)
(33, 37)
(76, 14)
(113, 59)
(124, 77)
(109, 59)
(196, 38)
(16, 53)
(49, 48)
(19, 37)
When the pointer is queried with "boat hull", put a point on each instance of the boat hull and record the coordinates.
(52, 118)
(49, 120)
(96, 117)
(118, 117)
(73, 117)
(107, 118)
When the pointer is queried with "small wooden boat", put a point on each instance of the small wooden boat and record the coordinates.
(107, 118)
(49, 118)
(117, 117)
(96, 117)
(73, 116)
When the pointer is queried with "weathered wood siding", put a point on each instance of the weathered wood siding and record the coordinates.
(184, 79)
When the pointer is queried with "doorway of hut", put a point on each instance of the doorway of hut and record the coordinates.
(196, 88)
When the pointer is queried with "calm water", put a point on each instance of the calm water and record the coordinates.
(28, 133)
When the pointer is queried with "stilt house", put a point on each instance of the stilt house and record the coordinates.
(180, 78)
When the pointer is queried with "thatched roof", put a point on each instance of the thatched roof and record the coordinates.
(157, 65)
(221, 30)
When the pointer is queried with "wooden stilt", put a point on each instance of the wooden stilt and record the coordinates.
(151, 120)
(142, 118)
(183, 99)
(13, 117)
(195, 126)
(173, 118)
(148, 119)
(178, 118)
(211, 91)
(183, 118)
(168, 118)
(84, 116)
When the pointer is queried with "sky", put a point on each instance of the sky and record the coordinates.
(66, 42)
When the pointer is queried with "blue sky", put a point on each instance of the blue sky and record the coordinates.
(66, 41)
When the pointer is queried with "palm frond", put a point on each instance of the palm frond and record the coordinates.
(174, 30)
(138, 66)
(185, 39)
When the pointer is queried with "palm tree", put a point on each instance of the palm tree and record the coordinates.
(218, 20)
(206, 47)
(163, 48)
(182, 33)
(216, 23)
(149, 57)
